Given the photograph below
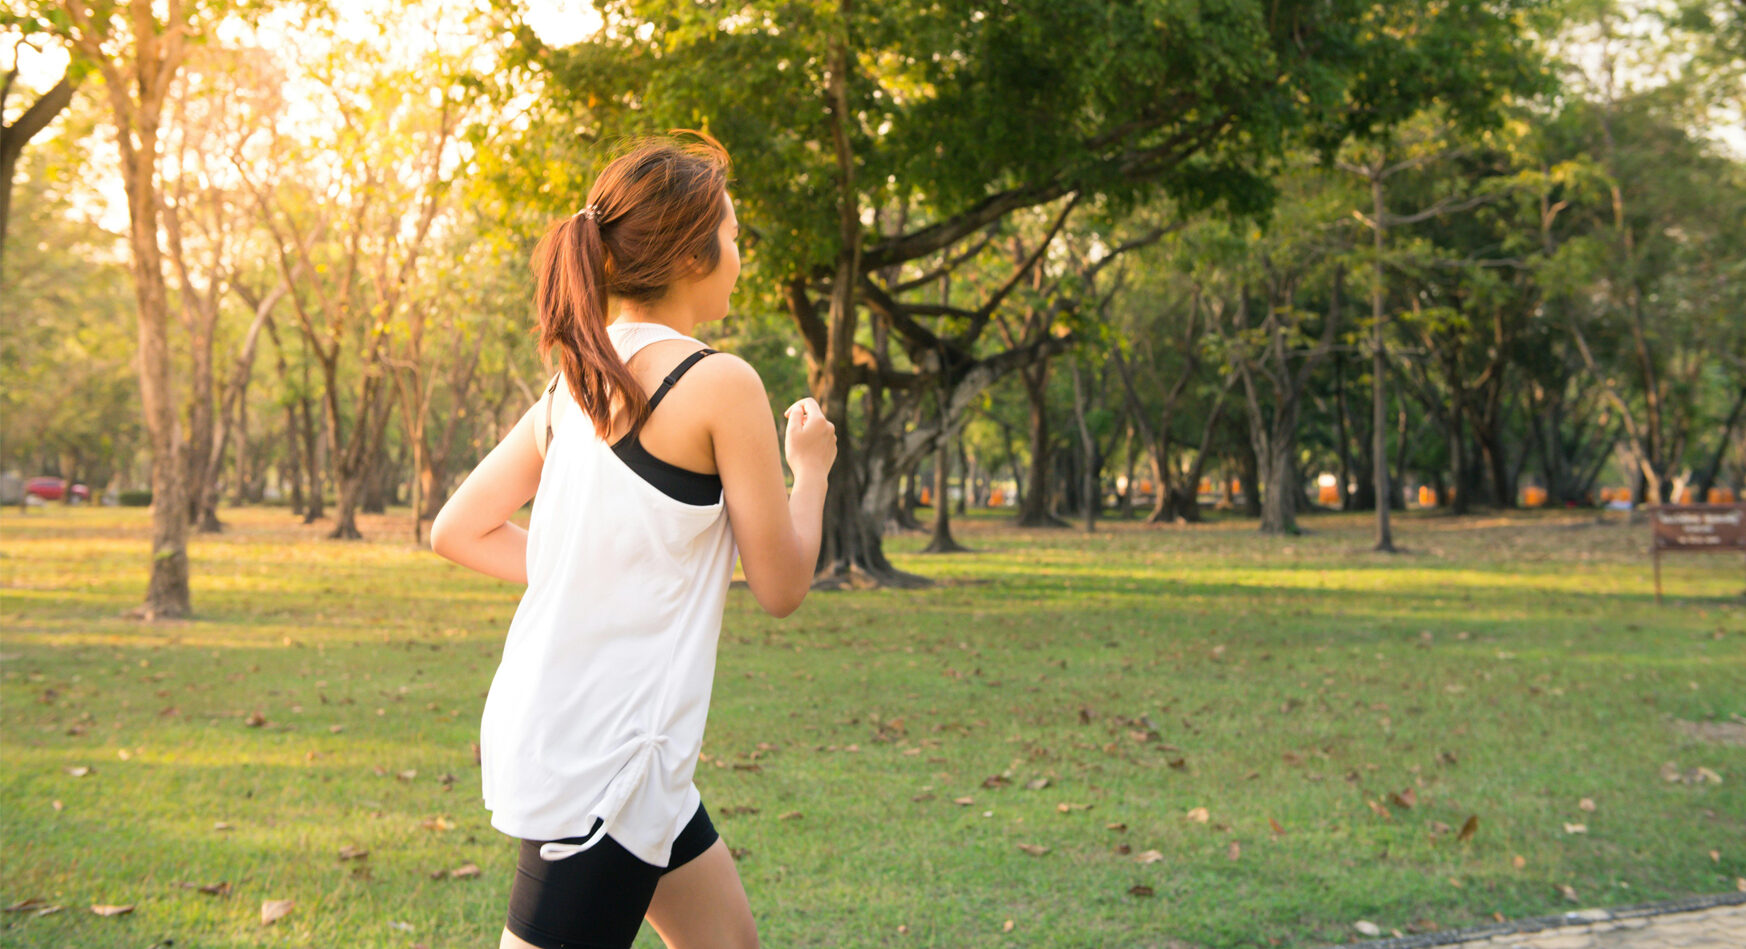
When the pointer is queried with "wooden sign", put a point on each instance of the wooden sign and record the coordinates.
(1696, 528)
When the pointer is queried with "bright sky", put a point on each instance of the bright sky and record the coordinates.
(558, 22)
(561, 23)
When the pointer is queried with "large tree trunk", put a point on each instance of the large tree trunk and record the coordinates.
(1034, 505)
(851, 551)
(1503, 490)
(1379, 369)
(156, 57)
(966, 475)
(1249, 478)
(1092, 496)
(1279, 504)
(942, 541)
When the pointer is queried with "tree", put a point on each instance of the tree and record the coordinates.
(357, 216)
(137, 49)
(31, 121)
(69, 395)
(838, 111)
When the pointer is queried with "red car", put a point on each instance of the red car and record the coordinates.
(51, 489)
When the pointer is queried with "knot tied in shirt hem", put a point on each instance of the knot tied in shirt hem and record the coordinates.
(618, 793)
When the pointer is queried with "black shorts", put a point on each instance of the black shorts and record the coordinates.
(595, 899)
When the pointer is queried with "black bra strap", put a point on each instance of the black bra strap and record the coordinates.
(654, 400)
(549, 390)
(672, 377)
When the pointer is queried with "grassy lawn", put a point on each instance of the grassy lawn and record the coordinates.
(879, 758)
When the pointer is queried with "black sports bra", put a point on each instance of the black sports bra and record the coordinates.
(680, 484)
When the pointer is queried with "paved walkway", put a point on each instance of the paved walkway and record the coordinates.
(1705, 922)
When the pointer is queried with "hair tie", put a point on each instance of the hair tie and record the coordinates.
(588, 212)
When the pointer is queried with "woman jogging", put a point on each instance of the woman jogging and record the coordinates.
(655, 461)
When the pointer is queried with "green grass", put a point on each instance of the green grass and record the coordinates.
(1507, 668)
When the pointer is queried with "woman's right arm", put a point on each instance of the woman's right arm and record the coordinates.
(777, 531)
(473, 528)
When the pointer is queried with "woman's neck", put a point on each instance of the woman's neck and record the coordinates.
(678, 319)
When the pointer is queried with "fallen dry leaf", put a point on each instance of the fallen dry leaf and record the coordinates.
(1367, 927)
(1149, 856)
(996, 781)
(790, 815)
(79, 771)
(104, 909)
(1469, 828)
(1116, 827)
(255, 720)
(1570, 828)
(349, 852)
(438, 824)
(274, 910)
(1035, 850)
(1404, 799)
(1199, 815)
(1278, 831)
(1037, 785)
(964, 801)
(464, 872)
(1006, 927)
(1586, 804)
(1236, 851)
(26, 905)
(1139, 890)
(1518, 861)
(1064, 807)
(1568, 892)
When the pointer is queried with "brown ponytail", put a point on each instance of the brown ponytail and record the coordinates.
(654, 208)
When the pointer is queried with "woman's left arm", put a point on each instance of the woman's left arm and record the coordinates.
(473, 528)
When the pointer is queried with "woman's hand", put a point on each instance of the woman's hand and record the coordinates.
(811, 440)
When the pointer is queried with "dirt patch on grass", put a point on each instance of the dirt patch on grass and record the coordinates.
(1720, 733)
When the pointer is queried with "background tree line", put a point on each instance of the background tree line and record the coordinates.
(1064, 251)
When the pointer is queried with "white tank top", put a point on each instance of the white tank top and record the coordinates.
(597, 709)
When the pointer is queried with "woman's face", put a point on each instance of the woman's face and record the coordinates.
(716, 288)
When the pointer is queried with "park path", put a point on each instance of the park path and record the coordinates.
(1709, 922)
